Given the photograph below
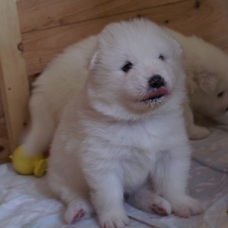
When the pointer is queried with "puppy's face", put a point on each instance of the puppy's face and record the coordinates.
(221, 97)
(136, 68)
(211, 96)
(207, 69)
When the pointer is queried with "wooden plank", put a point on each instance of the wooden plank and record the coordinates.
(4, 142)
(206, 19)
(13, 77)
(54, 13)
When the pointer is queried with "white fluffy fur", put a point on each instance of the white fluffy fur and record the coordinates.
(206, 67)
(62, 80)
(109, 141)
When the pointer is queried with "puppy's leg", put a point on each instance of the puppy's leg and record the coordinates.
(78, 205)
(194, 131)
(77, 209)
(170, 180)
(146, 200)
(107, 197)
(42, 127)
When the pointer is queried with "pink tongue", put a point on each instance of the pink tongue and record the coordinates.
(155, 93)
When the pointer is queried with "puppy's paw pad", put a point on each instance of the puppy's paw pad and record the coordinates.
(148, 201)
(159, 210)
(198, 132)
(161, 206)
(80, 214)
(115, 221)
(76, 211)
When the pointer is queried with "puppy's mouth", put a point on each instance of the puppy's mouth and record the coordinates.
(156, 94)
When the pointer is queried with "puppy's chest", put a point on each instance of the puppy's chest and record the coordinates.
(136, 139)
(131, 149)
(138, 147)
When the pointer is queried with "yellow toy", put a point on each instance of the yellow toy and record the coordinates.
(36, 165)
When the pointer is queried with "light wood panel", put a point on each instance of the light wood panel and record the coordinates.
(207, 19)
(13, 77)
(35, 15)
(4, 142)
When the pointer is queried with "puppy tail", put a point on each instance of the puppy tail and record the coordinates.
(42, 127)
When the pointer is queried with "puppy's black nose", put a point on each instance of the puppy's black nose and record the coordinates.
(156, 81)
(226, 109)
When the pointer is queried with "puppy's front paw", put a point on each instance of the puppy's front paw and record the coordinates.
(114, 220)
(77, 210)
(161, 206)
(186, 206)
(150, 202)
(197, 132)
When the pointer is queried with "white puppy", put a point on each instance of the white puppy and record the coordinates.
(206, 67)
(62, 79)
(125, 131)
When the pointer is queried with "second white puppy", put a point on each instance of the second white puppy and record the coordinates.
(125, 131)
(206, 67)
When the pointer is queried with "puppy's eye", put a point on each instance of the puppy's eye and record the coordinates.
(220, 94)
(127, 67)
(161, 57)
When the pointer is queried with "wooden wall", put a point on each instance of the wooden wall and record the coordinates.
(4, 142)
(48, 26)
(13, 81)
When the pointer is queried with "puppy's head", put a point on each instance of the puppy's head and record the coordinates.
(136, 70)
(209, 87)
(210, 97)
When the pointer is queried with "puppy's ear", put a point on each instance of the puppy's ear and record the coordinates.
(207, 82)
(93, 61)
(177, 45)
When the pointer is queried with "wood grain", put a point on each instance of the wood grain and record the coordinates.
(54, 13)
(207, 20)
(13, 77)
(4, 142)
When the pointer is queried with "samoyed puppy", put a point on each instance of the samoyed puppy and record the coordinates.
(125, 131)
(206, 67)
(62, 79)
(207, 85)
